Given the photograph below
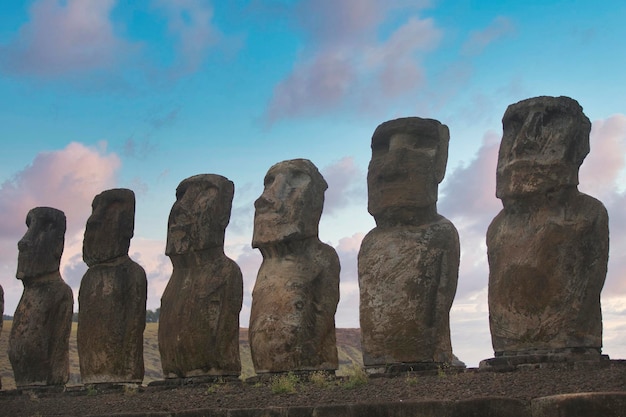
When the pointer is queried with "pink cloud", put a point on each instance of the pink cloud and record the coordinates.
(150, 254)
(467, 198)
(348, 21)
(347, 63)
(601, 176)
(65, 37)
(350, 244)
(190, 22)
(468, 195)
(67, 179)
(313, 86)
(600, 171)
(249, 260)
(615, 285)
(480, 39)
(346, 185)
(397, 58)
(348, 308)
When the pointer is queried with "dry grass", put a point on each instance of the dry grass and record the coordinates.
(347, 339)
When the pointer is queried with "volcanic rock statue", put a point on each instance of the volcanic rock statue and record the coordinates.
(292, 321)
(199, 320)
(39, 338)
(548, 247)
(408, 264)
(112, 296)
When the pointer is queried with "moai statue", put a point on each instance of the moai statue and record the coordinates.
(292, 320)
(112, 296)
(408, 264)
(548, 247)
(199, 320)
(39, 339)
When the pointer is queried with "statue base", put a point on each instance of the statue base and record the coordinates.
(544, 358)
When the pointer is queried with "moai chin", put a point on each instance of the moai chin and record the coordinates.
(199, 319)
(292, 320)
(112, 296)
(408, 264)
(39, 338)
(548, 247)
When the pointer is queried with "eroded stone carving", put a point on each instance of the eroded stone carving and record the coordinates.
(199, 320)
(39, 338)
(112, 296)
(292, 320)
(408, 264)
(548, 247)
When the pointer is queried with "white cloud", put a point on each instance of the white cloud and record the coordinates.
(346, 64)
(601, 169)
(65, 37)
(480, 39)
(249, 260)
(346, 185)
(66, 179)
(150, 255)
(348, 308)
(190, 23)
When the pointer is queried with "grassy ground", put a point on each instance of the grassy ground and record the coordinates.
(347, 343)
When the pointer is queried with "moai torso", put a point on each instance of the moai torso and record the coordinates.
(548, 247)
(408, 277)
(39, 339)
(408, 264)
(292, 320)
(112, 296)
(199, 317)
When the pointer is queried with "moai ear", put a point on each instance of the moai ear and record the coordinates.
(441, 158)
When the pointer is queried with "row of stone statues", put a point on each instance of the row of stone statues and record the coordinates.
(547, 252)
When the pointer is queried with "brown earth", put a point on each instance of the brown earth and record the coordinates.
(441, 384)
(523, 385)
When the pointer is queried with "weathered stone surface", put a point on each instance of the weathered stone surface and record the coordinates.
(292, 320)
(548, 247)
(39, 339)
(605, 404)
(408, 265)
(112, 296)
(199, 320)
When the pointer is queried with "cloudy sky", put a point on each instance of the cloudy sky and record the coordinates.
(97, 94)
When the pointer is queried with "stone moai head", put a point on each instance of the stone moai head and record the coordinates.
(199, 216)
(544, 142)
(110, 226)
(409, 158)
(291, 204)
(41, 247)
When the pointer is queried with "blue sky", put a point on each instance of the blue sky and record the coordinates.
(96, 94)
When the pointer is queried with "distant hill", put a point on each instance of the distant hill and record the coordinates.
(348, 345)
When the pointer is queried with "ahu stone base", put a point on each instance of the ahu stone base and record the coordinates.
(563, 358)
